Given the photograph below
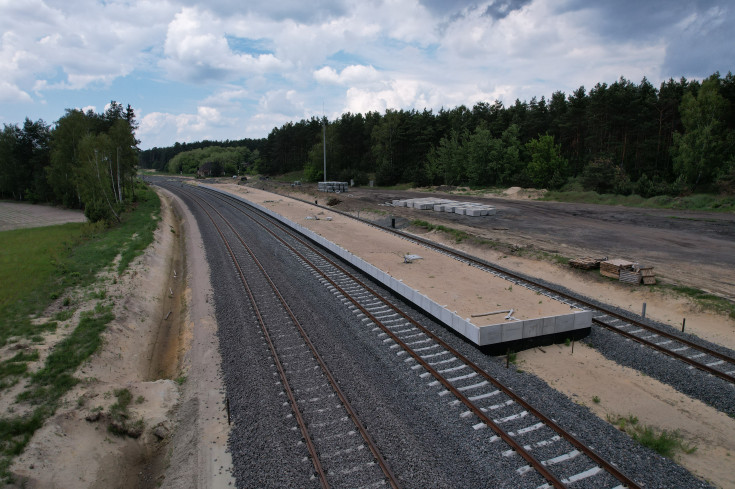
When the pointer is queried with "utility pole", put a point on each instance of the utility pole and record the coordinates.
(324, 144)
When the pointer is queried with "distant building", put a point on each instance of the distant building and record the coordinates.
(210, 169)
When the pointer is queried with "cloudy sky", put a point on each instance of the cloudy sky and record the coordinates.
(230, 69)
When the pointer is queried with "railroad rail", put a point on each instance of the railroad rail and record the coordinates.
(280, 338)
(695, 355)
(563, 459)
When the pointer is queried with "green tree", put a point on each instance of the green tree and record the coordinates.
(65, 139)
(702, 150)
(547, 167)
(96, 183)
(24, 154)
(446, 162)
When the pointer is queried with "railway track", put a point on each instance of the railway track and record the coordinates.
(341, 450)
(540, 448)
(695, 355)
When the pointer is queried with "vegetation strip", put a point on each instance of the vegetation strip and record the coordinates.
(55, 260)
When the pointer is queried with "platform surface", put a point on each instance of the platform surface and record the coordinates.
(459, 288)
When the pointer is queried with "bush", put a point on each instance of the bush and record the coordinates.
(604, 177)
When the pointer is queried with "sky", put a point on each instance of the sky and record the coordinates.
(232, 69)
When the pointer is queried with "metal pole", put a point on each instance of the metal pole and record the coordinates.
(324, 126)
(683, 323)
(643, 314)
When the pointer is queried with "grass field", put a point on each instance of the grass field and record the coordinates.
(37, 267)
(699, 202)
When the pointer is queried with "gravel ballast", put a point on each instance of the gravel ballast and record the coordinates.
(421, 435)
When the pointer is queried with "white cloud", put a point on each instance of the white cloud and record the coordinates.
(70, 47)
(158, 128)
(260, 64)
(197, 50)
(285, 102)
(11, 93)
(351, 75)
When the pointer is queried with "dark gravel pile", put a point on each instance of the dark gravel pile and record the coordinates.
(419, 432)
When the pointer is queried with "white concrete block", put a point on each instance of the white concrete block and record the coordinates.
(582, 319)
(548, 325)
(473, 212)
(512, 331)
(532, 328)
(446, 316)
(489, 335)
(472, 333)
(564, 323)
(457, 323)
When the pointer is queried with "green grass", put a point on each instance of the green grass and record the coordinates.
(290, 177)
(663, 442)
(704, 202)
(456, 234)
(460, 236)
(56, 377)
(705, 300)
(399, 186)
(40, 264)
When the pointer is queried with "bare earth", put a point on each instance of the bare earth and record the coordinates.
(14, 215)
(143, 351)
(164, 329)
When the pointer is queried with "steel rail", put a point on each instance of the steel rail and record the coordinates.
(522, 402)
(387, 471)
(674, 354)
(281, 371)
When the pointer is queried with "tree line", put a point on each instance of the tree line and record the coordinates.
(159, 158)
(87, 161)
(617, 138)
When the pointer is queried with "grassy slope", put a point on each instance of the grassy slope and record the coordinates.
(40, 264)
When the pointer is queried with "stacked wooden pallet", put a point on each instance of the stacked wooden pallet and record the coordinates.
(630, 276)
(585, 263)
(611, 268)
(649, 278)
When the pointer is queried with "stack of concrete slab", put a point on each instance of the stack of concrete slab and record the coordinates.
(336, 187)
(444, 205)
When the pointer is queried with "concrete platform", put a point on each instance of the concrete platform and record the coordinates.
(456, 297)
